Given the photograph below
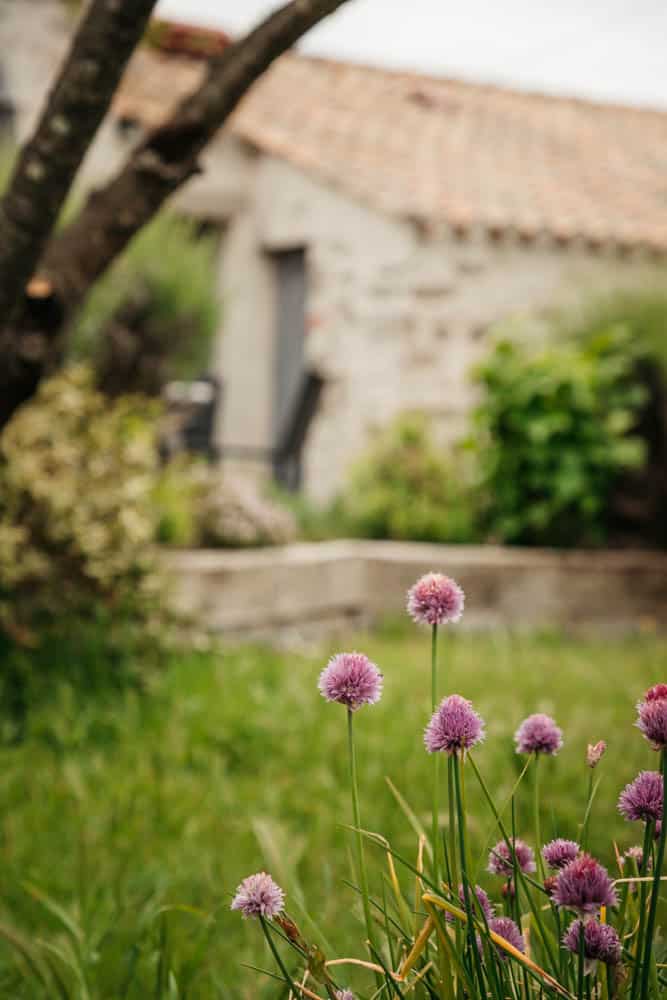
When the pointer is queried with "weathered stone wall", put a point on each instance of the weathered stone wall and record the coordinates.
(33, 37)
(314, 589)
(397, 318)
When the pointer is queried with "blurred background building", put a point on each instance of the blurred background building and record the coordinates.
(374, 225)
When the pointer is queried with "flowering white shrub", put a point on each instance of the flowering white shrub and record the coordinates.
(76, 517)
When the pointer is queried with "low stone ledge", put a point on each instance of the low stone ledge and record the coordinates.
(318, 586)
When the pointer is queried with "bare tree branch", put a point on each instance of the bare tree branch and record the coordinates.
(43, 175)
(168, 157)
(77, 257)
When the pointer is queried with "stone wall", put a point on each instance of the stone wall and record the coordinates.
(398, 317)
(33, 37)
(316, 588)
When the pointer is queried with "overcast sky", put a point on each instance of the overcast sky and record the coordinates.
(608, 49)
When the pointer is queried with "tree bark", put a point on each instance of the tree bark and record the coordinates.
(41, 180)
(169, 156)
(78, 256)
(43, 175)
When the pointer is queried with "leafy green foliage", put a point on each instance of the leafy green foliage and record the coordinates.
(556, 430)
(642, 314)
(406, 488)
(199, 506)
(178, 495)
(640, 498)
(76, 520)
(153, 316)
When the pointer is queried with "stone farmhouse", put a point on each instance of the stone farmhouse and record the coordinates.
(375, 225)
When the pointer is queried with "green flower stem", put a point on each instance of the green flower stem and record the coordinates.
(363, 877)
(452, 824)
(536, 809)
(529, 896)
(464, 874)
(435, 825)
(646, 853)
(276, 954)
(593, 786)
(610, 981)
(584, 828)
(655, 890)
(580, 963)
(434, 668)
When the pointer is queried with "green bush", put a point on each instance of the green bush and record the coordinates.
(178, 496)
(76, 519)
(153, 316)
(556, 431)
(405, 488)
(642, 314)
(639, 498)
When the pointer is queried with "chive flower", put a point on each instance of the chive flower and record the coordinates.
(635, 854)
(601, 942)
(584, 886)
(507, 929)
(345, 995)
(259, 896)
(652, 716)
(501, 861)
(454, 726)
(595, 752)
(435, 600)
(351, 679)
(508, 890)
(538, 734)
(558, 853)
(485, 904)
(550, 884)
(642, 799)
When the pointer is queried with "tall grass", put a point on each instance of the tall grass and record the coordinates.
(136, 815)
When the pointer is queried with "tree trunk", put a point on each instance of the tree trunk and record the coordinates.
(79, 255)
(40, 182)
(49, 161)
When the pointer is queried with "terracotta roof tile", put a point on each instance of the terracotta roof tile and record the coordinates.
(443, 150)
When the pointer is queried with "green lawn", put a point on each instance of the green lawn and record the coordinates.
(122, 804)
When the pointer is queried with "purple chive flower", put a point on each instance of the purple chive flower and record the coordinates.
(352, 680)
(584, 886)
(435, 600)
(595, 752)
(635, 854)
(558, 853)
(259, 896)
(652, 716)
(601, 942)
(345, 995)
(507, 890)
(485, 904)
(507, 929)
(454, 726)
(550, 884)
(642, 798)
(502, 863)
(538, 734)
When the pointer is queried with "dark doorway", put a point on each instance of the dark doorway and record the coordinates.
(290, 267)
(289, 364)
